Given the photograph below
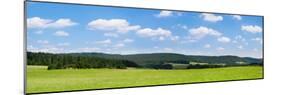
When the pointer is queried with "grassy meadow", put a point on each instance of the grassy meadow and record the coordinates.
(39, 79)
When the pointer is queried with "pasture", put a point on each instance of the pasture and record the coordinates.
(39, 79)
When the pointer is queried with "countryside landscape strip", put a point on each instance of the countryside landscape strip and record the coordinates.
(72, 47)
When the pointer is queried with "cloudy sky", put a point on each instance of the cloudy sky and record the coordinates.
(62, 28)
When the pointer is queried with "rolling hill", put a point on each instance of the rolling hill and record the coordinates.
(153, 58)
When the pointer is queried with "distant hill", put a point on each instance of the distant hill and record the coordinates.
(156, 58)
(152, 60)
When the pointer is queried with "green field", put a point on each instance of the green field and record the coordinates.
(39, 79)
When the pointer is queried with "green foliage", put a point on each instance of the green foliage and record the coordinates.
(159, 66)
(63, 61)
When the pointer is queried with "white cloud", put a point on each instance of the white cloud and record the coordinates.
(62, 23)
(224, 39)
(164, 14)
(237, 17)
(128, 40)
(251, 28)
(207, 46)
(159, 32)
(107, 41)
(111, 35)
(200, 32)
(211, 17)
(112, 25)
(37, 22)
(220, 49)
(61, 34)
(43, 41)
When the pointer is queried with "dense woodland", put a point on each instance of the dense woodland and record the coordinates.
(154, 61)
(62, 61)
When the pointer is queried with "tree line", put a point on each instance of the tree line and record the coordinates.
(81, 61)
(63, 61)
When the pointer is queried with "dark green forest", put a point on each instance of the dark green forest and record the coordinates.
(153, 61)
(63, 61)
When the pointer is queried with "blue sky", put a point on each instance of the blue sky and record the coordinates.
(64, 28)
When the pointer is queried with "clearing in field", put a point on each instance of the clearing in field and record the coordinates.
(39, 79)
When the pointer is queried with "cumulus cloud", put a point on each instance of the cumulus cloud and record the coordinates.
(61, 23)
(237, 17)
(107, 41)
(159, 32)
(251, 28)
(224, 39)
(37, 22)
(164, 14)
(112, 25)
(200, 32)
(211, 17)
(61, 34)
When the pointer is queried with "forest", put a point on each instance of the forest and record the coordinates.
(152, 61)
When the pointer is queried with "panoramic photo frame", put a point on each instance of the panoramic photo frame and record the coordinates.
(80, 47)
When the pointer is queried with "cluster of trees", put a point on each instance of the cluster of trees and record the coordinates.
(199, 66)
(63, 61)
(159, 66)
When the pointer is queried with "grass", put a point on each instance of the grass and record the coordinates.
(39, 79)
